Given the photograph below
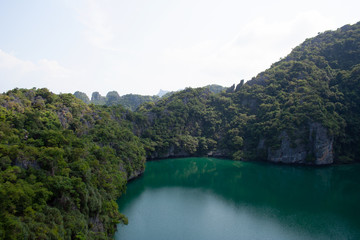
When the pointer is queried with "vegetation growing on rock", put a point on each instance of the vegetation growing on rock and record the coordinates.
(317, 84)
(63, 163)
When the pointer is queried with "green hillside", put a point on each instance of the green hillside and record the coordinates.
(63, 165)
(63, 162)
(304, 109)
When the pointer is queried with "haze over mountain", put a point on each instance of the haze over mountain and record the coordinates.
(162, 93)
(140, 47)
(64, 162)
(304, 109)
(131, 101)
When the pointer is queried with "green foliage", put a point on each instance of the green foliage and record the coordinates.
(318, 82)
(192, 122)
(214, 88)
(128, 101)
(63, 165)
(82, 96)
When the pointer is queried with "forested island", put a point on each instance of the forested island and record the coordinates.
(64, 161)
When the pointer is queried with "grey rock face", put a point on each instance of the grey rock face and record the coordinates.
(171, 152)
(318, 150)
(323, 145)
(287, 154)
(135, 174)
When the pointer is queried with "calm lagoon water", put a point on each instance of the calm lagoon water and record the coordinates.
(207, 198)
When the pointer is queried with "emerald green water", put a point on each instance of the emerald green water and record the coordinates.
(206, 198)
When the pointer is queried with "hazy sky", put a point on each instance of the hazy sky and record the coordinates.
(142, 46)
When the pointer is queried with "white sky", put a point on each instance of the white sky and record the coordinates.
(142, 46)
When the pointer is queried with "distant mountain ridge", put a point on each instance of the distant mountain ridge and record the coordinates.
(162, 93)
(304, 109)
(131, 101)
(64, 163)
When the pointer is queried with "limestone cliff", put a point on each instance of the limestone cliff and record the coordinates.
(317, 149)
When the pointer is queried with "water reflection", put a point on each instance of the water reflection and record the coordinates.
(322, 202)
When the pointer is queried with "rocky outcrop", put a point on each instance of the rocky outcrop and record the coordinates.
(317, 150)
(323, 145)
(97, 99)
(135, 174)
(82, 96)
(65, 116)
(96, 224)
(176, 152)
(171, 152)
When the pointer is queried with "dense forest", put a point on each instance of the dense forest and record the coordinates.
(303, 109)
(65, 161)
(63, 165)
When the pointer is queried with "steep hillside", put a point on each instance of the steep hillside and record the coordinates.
(193, 122)
(309, 100)
(304, 109)
(63, 165)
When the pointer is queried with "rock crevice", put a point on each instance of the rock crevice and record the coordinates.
(318, 149)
